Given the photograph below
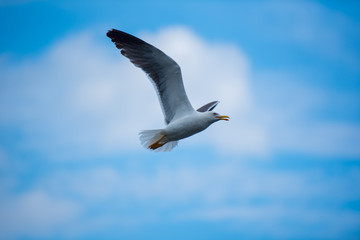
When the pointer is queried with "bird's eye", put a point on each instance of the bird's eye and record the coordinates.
(214, 114)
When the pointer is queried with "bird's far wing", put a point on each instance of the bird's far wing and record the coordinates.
(164, 72)
(208, 107)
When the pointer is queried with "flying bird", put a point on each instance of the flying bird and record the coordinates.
(181, 119)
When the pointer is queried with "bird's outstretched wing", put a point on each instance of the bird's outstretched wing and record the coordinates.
(208, 107)
(164, 72)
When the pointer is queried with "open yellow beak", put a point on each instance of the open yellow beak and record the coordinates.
(223, 117)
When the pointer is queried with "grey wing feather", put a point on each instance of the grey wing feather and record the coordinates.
(208, 107)
(164, 72)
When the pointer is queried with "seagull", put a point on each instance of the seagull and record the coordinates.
(181, 119)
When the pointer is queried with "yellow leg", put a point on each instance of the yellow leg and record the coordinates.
(157, 144)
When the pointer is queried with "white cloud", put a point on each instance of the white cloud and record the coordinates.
(81, 99)
(82, 95)
(321, 139)
(34, 214)
(299, 117)
(319, 223)
(213, 185)
(225, 191)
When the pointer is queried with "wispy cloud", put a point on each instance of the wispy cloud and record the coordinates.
(92, 102)
(35, 214)
(227, 191)
(287, 161)
(81, 95)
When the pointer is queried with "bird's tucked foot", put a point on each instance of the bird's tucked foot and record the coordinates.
(158, 143)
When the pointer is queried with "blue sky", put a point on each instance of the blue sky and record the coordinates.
(287, 165)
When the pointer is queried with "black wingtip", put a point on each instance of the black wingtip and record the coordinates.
(121, 37)
(111, 32)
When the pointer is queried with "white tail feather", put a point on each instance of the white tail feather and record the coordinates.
(150, 137)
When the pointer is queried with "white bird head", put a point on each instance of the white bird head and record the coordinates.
(214, 116)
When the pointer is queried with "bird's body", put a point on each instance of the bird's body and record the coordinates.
(188, 125)
(181, 118)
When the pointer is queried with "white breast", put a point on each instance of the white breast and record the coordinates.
(187, 126)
